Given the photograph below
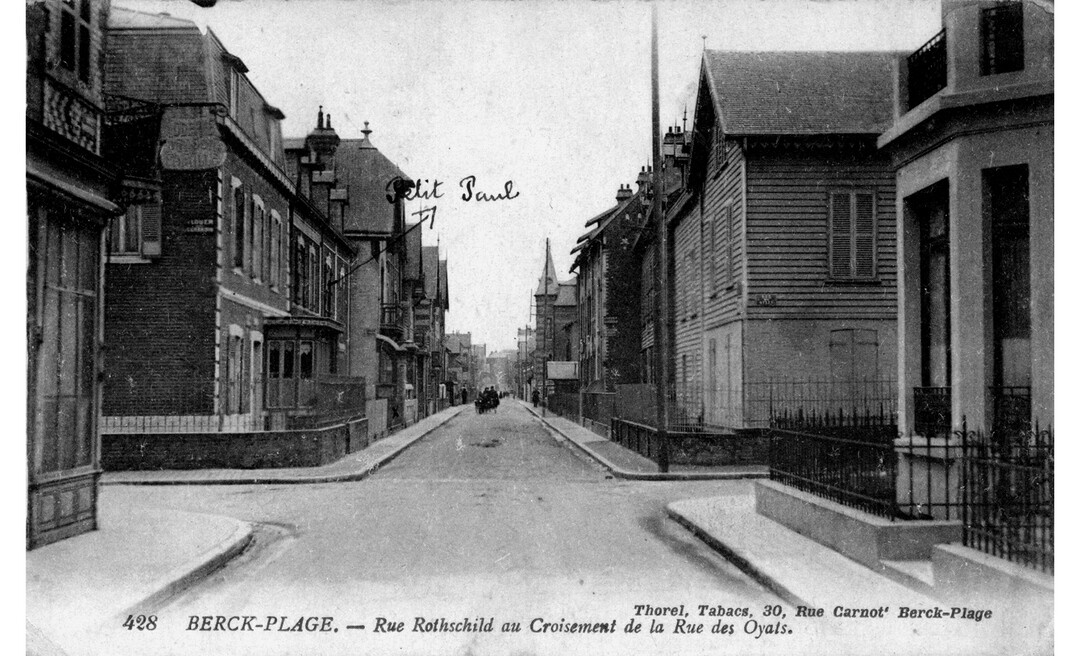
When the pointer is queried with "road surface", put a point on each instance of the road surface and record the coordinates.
(489, 516)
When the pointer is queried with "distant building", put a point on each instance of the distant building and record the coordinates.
(557, 327)
(609, 292)
(972, 137)
(381, 346)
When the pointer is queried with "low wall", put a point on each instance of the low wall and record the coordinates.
(860, 536)
(377, 411)
(707, 449)
(240, 450)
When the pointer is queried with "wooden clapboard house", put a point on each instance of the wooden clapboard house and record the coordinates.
(784, 239)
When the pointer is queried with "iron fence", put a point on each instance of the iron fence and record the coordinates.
(565, 404)
(928, 70)
(190, 405)
(857, 473)
(933, 410)
(597, 409)
(636, 403)
(999, 485)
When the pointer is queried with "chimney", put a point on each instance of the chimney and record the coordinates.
(623, 194)
(642, 179)
(323, 140)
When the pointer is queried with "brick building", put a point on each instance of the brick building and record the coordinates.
(381, 346)
(557, 324)
(609, 292)
(223, 284)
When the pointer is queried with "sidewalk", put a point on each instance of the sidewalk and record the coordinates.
(137, 558)
(624, 463)
(352, 467)
(797, 569)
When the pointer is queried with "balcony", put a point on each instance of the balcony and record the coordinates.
(933, 411)
(1012, 409)
(391, 321)
(71, 115)
(928, 70)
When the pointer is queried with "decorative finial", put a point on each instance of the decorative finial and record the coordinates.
(320, 125)
(366, 131)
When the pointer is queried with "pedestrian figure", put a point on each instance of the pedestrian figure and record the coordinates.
(464, 396)
(536, 397)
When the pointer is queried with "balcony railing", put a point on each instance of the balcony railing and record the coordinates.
(390, 321)
(928, 70)
(933, 411)
(1012, 408)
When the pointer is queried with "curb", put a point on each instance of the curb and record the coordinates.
(255, 479)
(738, 559)
(194, 570)
(646, 476)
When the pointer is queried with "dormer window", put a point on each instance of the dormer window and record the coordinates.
(1002, 34)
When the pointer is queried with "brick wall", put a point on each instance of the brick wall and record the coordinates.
(254, 450)
(159, 315)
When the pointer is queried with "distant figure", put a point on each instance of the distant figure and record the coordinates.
(536, 398)
(464, 396)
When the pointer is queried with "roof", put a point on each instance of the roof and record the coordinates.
(549, 278)
(367, 172)
(129, 19)
(430, 255)
(444, 285)
(567, 293)
(801, 92)
(413, 251)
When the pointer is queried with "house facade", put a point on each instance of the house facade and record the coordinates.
(224, 283)
(972, 140)
(73, 190)
(557, 329)
(783, 244)
(609, 292)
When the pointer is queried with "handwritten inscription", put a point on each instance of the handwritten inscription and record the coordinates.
(399, 188)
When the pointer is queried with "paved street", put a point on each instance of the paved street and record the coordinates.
(489, 516)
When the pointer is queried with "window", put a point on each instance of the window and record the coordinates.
(328, 289)
(852, 235)
(275, 249)
(75, 37)
(233, 382)
(249, 219)
(722, 266)
(136, 232)
(307, 359)
(258, 221)
(238, 226)
(1002, 33)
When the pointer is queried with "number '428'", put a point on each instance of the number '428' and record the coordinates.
(140, 622)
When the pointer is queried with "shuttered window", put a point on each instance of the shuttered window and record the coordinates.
(852, 235)
(136, 232)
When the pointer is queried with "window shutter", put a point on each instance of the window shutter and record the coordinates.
(864, 235)
(151, 230)
(840, 235)
(729, 223)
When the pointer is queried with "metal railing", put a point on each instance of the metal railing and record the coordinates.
(857, 473)
(1012, 407)
(597, 409)
(928, 70)
(932, 410)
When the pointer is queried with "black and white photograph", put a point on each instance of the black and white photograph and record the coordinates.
(527, 327)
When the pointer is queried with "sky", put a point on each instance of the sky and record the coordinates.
(553, 96)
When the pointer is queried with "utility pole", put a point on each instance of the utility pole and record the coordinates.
(547, 337)
(660, 273)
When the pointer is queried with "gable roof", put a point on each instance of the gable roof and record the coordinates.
(431, 271)
(444, 285)
(367, 172)
(801, 93)
(567, 293)
(413, 251)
